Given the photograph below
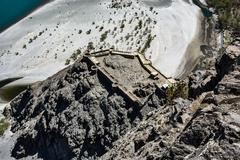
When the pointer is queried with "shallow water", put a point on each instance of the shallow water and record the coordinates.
(8, 93)
(7, 81)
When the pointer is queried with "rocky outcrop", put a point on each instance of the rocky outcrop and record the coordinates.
(76, 114)
(206, 80)
(208, 133)
(89, 112)
(206, 128)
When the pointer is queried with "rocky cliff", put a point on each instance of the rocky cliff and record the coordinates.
(77, 115)
(205, 128)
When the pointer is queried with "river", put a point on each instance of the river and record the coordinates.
(13, 10)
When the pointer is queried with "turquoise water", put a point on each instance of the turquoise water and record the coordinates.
(13, 10)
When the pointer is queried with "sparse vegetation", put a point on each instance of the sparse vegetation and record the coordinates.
(228, 12)
(67, 62)
(103, 36)
(3, 126)
(122, 25)
(140, 24)
(74, 56)
(89, 31)
(90, 46)
(147, 44)
(178, 90)
(228, 39)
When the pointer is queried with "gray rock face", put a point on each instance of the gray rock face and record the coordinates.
(73, 115)
(206, 80)
(110, 108)
(76, 114)
(207, 128)
(207, 134)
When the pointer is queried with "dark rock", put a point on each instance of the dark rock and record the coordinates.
(207, 128)
(75, 114)
(207, 80)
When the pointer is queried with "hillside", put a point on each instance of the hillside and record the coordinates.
(122, 80)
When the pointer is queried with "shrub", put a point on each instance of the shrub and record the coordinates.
(78, 51)
(122, 25)
(24, 46)
(140, 24)
(90, 46)
(103, 36)
(177, 90)
(147, 44)
(89, 31)
(101, 28)
(67, 62)
(228, 12)
(30, 40)
(74, 56)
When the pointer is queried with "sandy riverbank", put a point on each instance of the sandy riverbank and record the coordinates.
(52, 33)
(175, 27)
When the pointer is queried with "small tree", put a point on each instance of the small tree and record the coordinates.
(24, 46)
(67, 62)
(89, 31)
(103, 36)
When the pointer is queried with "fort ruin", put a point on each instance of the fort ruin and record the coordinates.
(129, 73)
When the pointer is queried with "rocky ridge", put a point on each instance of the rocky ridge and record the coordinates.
(75, 115)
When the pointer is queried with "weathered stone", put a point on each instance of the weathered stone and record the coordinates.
(207, 80)
(77, 114)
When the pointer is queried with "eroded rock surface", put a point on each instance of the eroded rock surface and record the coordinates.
(206, 128)
(206, 80)
(77, 113)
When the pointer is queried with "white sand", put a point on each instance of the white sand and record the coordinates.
(6, 144)
(177, 26)
(173, 51)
